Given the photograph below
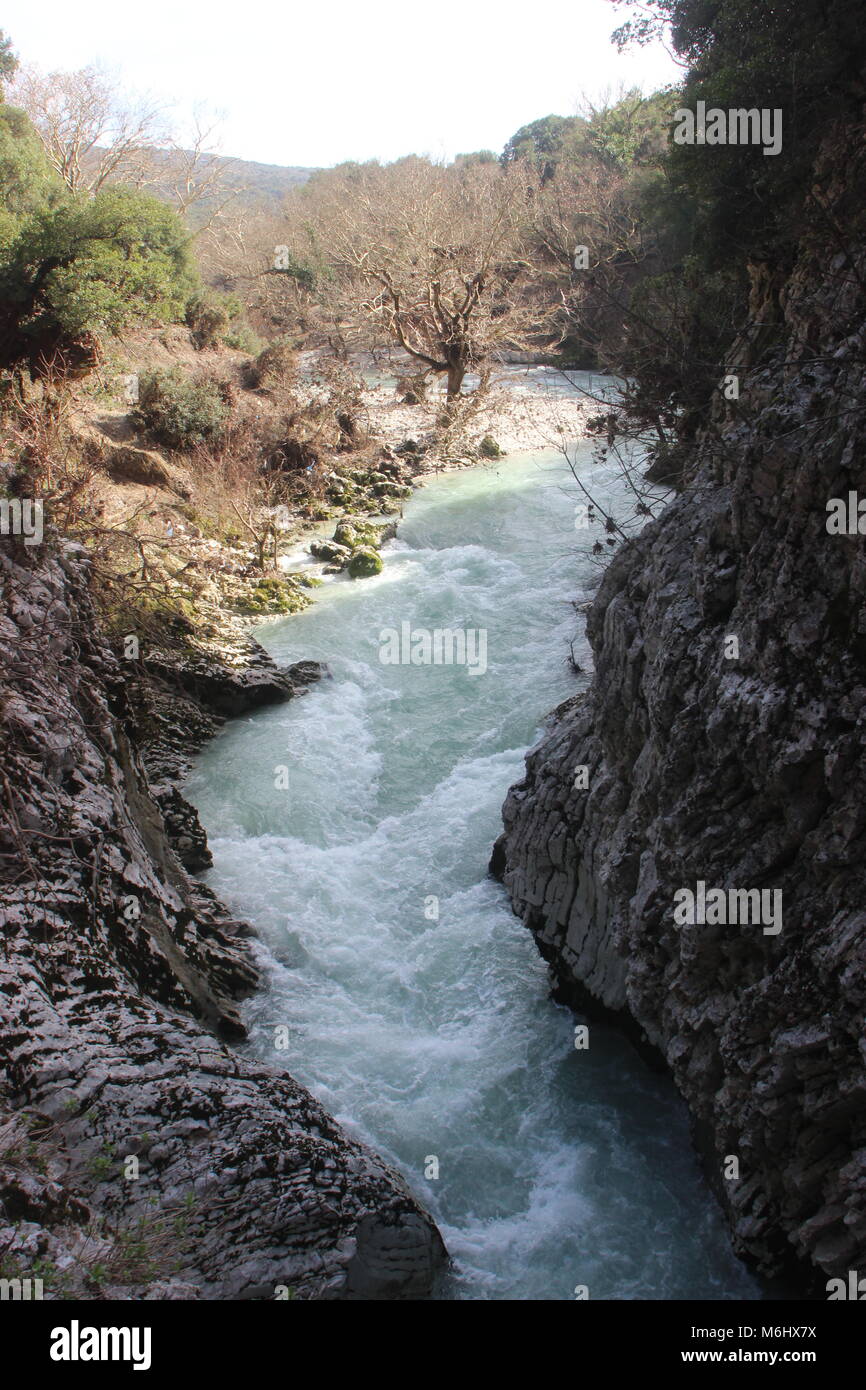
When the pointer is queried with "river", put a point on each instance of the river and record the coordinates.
(415, 1004)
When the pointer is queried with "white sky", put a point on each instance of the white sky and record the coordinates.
(335, 80)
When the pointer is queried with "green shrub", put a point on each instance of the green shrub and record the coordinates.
(180, 411)
(28, 184)
(213, 318)
(243, 339)
(207, 318)
(91, 266)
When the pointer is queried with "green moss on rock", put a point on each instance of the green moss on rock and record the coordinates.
(489, 449)
(274, 594)
(365, 562)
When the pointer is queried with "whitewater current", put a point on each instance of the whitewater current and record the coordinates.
(353, 828)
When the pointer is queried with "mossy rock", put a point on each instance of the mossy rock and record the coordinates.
(345, 533)
(332, 551)
(355, 533)
(389, 489)
(489, 449)
(364, 563)
(344, 494)
(273, 594)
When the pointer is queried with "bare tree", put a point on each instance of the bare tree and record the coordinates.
(94, 134)
(192, 174)
(431, 258)
(239, 250)
(91, 131)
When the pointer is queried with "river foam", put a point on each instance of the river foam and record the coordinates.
(432, 1037)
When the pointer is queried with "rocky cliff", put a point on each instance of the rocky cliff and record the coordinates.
(140, 1154)
(739, 764)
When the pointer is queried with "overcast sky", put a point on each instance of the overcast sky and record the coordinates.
(335, 81)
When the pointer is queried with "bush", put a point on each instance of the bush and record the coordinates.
(275, 364)
(207, 319)
(181, 411)
(213, 318)
(28, 184)
(89, 267)
(243, 339)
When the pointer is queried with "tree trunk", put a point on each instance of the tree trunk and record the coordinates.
(456, 373)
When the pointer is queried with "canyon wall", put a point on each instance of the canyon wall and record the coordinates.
(743, 771)
(141, 1155)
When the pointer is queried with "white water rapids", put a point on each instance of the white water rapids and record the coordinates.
(436, 1038)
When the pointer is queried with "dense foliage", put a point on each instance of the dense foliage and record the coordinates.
(675, 233)
(181, 411)
(74, 268)
(803, 57)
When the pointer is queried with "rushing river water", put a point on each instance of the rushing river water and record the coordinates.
(435, 1037)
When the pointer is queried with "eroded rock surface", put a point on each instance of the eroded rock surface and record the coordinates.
(744, 773)
(141, 1155)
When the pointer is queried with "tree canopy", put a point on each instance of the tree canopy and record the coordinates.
(75, 267)
(92, 266)
(803, 57)
(8, 60)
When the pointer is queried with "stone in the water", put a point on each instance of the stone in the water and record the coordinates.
(364, 563)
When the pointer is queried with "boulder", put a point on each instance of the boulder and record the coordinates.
(330, 551)
(127, 463)
(365, 562)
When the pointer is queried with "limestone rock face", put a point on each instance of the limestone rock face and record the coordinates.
(140, 1155)
(177, 697)
(744, 772)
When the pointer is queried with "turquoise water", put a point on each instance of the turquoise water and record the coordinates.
(416, 1004)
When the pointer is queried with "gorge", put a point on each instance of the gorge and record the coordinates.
(432, 695)
(399, 987)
